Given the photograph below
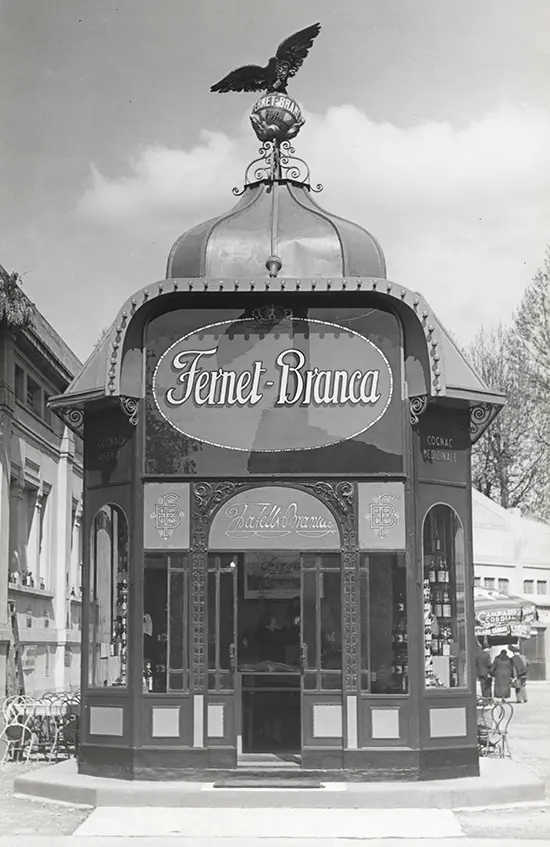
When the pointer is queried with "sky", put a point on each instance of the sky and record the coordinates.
(427, 121)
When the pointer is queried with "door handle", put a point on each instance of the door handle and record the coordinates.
(303, 656)
(233, 657)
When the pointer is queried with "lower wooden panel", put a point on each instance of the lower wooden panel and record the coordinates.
(384, 722)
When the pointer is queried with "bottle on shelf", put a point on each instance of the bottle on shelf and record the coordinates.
(442, 570)
(446, 605)
(437, 604)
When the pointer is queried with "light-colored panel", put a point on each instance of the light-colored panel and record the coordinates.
(106, 720)
(351, 722)
(166, 516)
(166, 722)
(215, 720)
(327, 720)
(271, 517)
(385, 723)
(382, 516)
(198, 720)
(448, 723)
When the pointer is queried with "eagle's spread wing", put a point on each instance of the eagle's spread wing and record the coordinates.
(247, 78)
(295, 48)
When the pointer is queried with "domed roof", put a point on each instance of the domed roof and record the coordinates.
(276, 218)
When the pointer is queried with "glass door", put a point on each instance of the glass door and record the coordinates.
(269, 653)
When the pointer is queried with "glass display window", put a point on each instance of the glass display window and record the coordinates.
(384, 623)
(108, 595)
(444, 599)
(165, 623)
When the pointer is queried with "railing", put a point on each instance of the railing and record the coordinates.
(45, 728)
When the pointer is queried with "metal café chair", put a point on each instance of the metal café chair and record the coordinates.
(17, 733)
(494, 718)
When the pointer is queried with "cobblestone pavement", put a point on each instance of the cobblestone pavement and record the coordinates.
(530, 746)
(529, 742)
(23, 816)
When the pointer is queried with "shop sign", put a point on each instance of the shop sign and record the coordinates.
(274, 517)
(166, 516)
(444, 445)
(293, 385)
(382, 516)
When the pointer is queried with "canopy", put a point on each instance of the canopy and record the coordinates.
(501, 615)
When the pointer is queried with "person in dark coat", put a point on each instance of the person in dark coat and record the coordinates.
(520, 664)
(502, 670)
(483, 671)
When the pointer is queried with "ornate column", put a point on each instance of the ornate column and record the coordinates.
(341, 498)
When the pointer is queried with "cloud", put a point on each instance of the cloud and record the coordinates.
(463, 214)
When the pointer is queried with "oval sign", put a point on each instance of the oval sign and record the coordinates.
(292, 385)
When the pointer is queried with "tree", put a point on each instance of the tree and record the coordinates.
(532, 347)
(510, 461)
(16, 310)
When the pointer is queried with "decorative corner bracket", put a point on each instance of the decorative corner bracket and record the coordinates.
(417, 407)
(481, 417)
(72, 417)
(129, 406)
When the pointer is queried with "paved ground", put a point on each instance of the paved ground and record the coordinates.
(21, 818)
(530, 746)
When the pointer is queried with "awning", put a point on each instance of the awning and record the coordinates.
(500, 614)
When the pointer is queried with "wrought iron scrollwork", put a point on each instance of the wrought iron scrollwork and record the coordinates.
(129, 406)
(72, 417)
(417, 407)
(481, 416)
(277, 161)
(207, 497)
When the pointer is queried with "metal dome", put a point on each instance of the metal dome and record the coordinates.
(278, 226)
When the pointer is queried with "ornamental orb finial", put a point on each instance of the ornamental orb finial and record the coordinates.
(276, 118)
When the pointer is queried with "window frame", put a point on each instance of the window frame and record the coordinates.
(459, 559)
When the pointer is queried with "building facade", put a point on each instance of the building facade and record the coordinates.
(278, 507)
(512, 555)
(41, 483)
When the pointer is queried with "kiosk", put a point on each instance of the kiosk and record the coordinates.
(278, 523)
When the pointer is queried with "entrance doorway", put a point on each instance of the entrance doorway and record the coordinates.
(274, 633)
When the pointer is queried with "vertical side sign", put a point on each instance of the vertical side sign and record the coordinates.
(166, 516)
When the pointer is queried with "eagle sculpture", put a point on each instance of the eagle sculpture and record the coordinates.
(274, 77)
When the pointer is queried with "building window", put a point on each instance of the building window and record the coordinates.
(19, 383)
(504, 586)
(528, 586)
(542, 586)
(34, 396)
(108, 634)
(477, 581)
(489, 583)
(444, 599)
(384, 630)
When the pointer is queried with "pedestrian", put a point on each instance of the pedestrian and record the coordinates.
(502, 670)
(520, 664)
(483, 671)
